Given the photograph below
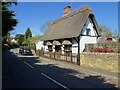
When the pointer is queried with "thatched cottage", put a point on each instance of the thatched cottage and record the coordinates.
(71, 32)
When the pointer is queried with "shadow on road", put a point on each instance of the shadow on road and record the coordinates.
(69, 77)
(53, 71)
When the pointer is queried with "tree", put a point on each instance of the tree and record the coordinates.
(20, 38)
(105, 32)
(45, 27)
(26, 42)
(116, 35)
(8, 18)
(28, 33)
(35, 38)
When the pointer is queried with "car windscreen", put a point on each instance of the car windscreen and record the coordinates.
(26, 49)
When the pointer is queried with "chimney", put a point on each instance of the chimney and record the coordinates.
(67, 9)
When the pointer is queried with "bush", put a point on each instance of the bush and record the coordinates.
(32, 46)
(14, 45)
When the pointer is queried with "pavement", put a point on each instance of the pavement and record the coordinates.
(37, 72)
(111, 77)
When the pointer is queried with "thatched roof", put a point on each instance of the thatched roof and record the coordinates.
(69, 25)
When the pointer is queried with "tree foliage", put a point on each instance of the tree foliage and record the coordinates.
(28, 33)
(26, 42)
(105, 31)
(8, 18)
(35, 38)
(20, 38)
(45, 27)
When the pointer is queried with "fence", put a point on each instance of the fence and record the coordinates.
(72, 58)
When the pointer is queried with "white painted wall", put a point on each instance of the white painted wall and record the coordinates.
(88, 39)
(46, 48)
(39, 45)
(53, 47)
(62, 48)
(89, 25)
(74, 47)
(75, 50)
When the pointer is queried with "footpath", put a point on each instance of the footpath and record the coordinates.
(110, 77)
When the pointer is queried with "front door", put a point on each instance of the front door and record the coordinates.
(58, 50)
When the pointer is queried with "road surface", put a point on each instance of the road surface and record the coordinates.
(29, 72)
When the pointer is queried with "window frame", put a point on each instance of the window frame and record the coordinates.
(88, 32)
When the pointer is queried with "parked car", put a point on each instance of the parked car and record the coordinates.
(25, 51)
(104, 50)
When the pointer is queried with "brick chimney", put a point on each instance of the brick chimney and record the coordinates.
(67, 9)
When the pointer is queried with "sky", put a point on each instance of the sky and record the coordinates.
(35, 14)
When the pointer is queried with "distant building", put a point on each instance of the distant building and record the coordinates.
(13, 41)
(109, 39)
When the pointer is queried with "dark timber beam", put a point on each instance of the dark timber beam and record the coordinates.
(78, 57)
(75, 39)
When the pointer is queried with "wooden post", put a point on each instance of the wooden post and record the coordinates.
(66, 56)
(49, 54)
(54, 55)
(78, 56)
(39, 52)
(71, 57)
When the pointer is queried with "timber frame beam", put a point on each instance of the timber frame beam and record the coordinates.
(78, 58)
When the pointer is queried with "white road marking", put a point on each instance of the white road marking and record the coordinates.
(41, 63)
(55, 81)
(28, 64)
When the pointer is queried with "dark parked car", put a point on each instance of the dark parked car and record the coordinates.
(25, 51)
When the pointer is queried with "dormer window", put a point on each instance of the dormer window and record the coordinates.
(88, 32)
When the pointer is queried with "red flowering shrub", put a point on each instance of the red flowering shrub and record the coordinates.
(104, 50)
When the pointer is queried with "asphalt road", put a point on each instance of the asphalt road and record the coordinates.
(25, 72)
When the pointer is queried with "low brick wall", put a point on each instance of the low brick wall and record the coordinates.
(106, 61)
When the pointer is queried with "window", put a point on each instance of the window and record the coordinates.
(58, 48)
(87, 31)
(67, 48)
(50, 48)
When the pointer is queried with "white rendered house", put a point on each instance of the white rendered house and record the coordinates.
(70, 33)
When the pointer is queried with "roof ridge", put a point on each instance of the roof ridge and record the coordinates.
(72, 13)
